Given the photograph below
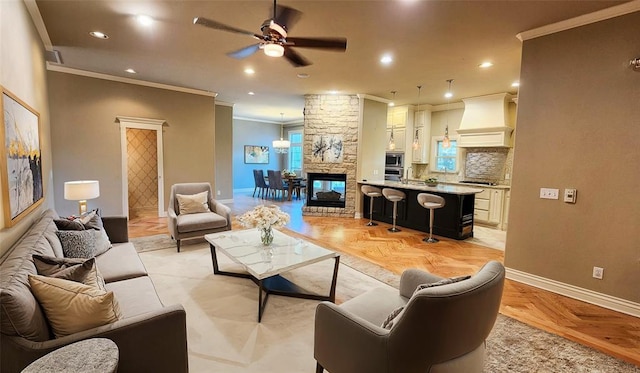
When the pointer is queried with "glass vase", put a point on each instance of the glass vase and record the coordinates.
(266, 236)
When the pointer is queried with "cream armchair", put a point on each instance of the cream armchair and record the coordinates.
(441, 329)
(204, 219)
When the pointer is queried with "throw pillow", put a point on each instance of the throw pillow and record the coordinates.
(92, 220)
(73, 269)
(396, 314)
(79, 244)
(72, 307)
(193, 203)
(68, 225)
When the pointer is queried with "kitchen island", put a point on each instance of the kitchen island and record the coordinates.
(454, 220)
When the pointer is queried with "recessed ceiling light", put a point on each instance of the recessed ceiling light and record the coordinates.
(392, 104)
(334, 92)
(251, 93)
(303, 76)
(485, 64)
(130, 71)
(249, 71)
(515, 84)
(99, 35)
(144, 20)
(386, 59)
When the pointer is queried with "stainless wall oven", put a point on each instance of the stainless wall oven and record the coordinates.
(394, 166)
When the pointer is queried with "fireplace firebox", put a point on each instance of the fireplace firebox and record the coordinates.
(326, 190)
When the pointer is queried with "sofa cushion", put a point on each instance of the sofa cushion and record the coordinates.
(121, 262)
(198, 222)
(193, 203)
(73, 269)
(20, 313)
(71, 306)
(135, 296)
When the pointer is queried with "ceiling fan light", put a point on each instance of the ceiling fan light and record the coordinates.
(274, 50)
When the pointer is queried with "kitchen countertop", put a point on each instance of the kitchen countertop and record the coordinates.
(420, 185)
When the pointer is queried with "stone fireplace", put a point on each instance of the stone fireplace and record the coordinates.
(326, 189)
(330, 149)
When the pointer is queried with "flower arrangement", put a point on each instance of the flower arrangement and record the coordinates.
(265, 218)
(286, 173)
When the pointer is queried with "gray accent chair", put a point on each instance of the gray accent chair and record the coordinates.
(196, 225)
(442, 328)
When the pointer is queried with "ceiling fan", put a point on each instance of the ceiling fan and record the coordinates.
(274, 41)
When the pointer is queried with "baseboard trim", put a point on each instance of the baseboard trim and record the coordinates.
(589, 296)
(243, 190)
(225, 200)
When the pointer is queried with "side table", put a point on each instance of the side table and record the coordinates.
(95, 355)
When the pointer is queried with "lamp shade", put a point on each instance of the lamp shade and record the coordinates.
(81, 190)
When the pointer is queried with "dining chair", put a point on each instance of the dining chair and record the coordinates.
(276, 184)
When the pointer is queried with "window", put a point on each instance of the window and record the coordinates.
(444, 158)
(295, 151)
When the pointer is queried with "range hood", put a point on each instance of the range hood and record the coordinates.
(485, 122)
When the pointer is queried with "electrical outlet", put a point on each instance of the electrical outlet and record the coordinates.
(375, 172)
(598, 273)
(218, 192)
(549, 193)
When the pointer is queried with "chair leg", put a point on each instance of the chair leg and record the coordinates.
(319, 368)
(254, 192)
(371, 223)
(395, 215)
(178, 245)
(430, 239)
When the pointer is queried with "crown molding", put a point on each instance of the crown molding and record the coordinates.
(38, 22)
(224, 103)
(601, 15)
(91, 74)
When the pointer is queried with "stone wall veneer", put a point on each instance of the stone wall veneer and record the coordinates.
(333, 115)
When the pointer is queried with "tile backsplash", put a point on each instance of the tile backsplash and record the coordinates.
(485, 163)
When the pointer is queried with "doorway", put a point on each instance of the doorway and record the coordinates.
(142, 167)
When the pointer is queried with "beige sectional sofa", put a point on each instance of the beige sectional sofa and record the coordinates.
(151, 337)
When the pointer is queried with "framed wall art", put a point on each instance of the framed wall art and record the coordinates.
(256, 154)
(21, 159)
(327, 148)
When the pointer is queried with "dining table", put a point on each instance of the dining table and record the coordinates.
(291, 182)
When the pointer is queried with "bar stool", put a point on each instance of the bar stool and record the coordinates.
(394, 196)
(431, 202)
(371, 192)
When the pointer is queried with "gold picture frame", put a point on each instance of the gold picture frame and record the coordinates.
(21, 159)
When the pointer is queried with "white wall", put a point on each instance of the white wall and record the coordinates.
(23, 73)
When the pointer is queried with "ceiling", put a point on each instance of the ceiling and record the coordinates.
(430, 41)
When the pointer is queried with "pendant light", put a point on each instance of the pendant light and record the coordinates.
(281, 146)
(392, 142)
(416, 140)
(446, 142)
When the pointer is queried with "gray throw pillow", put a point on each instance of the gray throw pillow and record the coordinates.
(73, 269)
(68, 225)
(396, 314)
(92, 220)
(79, 244)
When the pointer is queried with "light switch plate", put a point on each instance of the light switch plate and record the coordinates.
(549, 193)
(570, 195)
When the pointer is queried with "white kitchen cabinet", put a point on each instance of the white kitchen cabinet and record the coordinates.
(488, 208)
(397, 116)
(398, 138)
(422, 127)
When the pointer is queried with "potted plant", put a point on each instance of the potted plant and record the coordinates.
(432, 181)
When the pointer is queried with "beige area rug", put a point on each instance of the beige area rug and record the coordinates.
(224, 335)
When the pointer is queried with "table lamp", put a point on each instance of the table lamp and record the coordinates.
(81, 191)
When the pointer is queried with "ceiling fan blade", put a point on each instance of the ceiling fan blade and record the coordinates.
(295, 58)
(287, 17)
(244, 52)
(337, 44)
(221, 26)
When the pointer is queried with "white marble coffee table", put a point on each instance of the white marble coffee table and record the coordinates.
(265, 264)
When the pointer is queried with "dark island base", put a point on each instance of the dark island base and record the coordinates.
(454, 220)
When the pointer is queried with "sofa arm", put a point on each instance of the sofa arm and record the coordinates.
(116, 228)
(151, 342)
(344, 342)
(222, 210)
(172, 222)
(411, 278)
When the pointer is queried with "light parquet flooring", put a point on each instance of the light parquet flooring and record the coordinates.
(608, 331)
